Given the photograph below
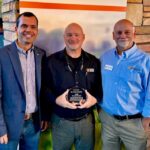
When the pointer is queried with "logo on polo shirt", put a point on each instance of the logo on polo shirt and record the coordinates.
(90, 70)
(108, 67)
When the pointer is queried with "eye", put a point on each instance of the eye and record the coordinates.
(73, 34)
(124, 32)
(127, 32)
(77, 35)
(69, 35)
(33, 27)
(24, 26)
(119, 32)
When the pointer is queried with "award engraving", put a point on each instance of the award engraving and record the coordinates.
(76, 94)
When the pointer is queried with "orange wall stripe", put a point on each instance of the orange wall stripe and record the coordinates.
(40, 5)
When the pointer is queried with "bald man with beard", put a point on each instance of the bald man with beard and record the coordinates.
(73, 68)
(125, 113)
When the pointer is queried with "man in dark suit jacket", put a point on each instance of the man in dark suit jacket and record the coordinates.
(20, 83)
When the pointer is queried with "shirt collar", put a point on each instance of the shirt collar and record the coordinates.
(129, 52)
(22, 50)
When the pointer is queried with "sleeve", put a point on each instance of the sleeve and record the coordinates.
(48, 81)
(146, 108)
(47, 96)
(96, 88)
(146, 85)
(3, 129)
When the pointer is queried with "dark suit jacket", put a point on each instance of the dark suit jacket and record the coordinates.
(12, 91)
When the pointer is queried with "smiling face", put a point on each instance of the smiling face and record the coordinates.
(27, 30)
(124, 34)
(73, 37)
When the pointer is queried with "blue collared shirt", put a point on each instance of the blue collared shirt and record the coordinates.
(126, 82)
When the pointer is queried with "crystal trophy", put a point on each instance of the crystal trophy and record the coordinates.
(76, 94)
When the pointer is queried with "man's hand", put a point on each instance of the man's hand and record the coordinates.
(146, 123)
(146, 126)
(44, 125)
(4, 139)
(90, 101)
(62, 101)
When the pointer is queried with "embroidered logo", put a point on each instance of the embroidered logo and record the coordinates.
(108, 67)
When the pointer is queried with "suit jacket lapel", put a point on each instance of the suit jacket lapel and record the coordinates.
(38, 58)
(16, 65)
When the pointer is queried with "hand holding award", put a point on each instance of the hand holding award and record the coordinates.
(76, 94)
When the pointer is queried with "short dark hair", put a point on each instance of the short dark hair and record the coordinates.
(25, 14)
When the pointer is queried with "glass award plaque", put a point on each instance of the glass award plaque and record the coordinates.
(76, 94)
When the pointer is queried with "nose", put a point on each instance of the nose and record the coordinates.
(28, 28)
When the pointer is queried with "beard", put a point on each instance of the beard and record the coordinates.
(73, 47)
(123, 45)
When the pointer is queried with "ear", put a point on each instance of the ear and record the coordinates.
(83, 37)
(134, 34)
(113, 35)
(64, 37)
(16, 28)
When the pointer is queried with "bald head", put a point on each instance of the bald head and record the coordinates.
(124, 22)
(75, 27)
(124, 35)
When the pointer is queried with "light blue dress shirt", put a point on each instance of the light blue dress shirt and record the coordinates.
(126, 82)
